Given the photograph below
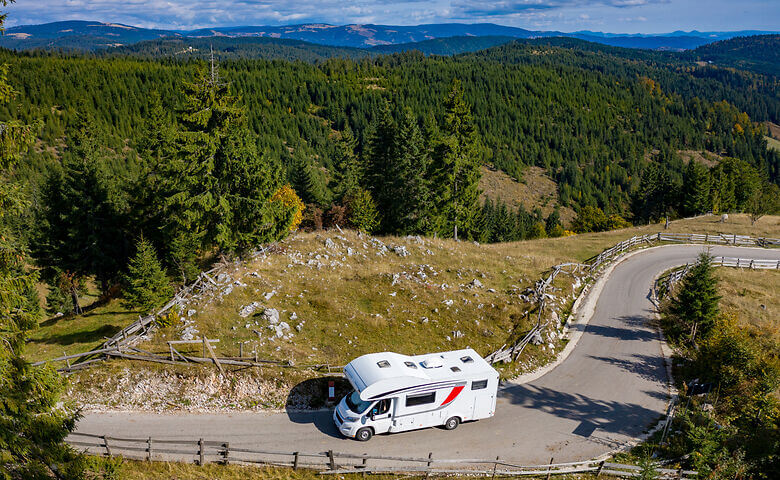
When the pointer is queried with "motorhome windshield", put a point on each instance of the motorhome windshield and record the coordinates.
(356, 404)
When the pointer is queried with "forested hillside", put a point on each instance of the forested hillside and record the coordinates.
(758, 53)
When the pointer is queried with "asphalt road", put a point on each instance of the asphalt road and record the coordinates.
(607, 392)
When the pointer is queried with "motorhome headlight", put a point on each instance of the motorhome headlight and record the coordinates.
(351, 419)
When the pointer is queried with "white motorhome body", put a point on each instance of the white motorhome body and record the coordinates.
(396, 393)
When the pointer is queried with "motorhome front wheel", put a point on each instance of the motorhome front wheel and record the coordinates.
(364, 434)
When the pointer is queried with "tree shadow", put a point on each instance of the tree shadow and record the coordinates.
(613, 417)
(649, 367)
(88, 336)
(631, 328)
(306, 401)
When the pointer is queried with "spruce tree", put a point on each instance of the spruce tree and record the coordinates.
(457, 161)
(412, 210)
(33, 425)
(146, 284)
(347, 171)
(694, 310)
(82, 224)
(218, 188)
(696, 190)
(379, 173)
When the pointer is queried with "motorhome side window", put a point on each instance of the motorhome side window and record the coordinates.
(415, 400)
(478, 384)
(381, 407)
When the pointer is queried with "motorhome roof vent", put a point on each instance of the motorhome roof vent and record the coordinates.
(466, 359)
(455, 369)
(410, 364)
(433, 362)
(383, 364)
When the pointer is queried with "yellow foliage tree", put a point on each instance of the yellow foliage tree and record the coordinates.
(291, 200)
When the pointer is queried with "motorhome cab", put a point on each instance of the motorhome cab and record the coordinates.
(396, 393)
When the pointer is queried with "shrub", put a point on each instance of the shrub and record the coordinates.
(146, 284)
(362, 211)
(290, 199)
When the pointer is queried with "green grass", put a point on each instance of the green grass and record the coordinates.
(66, 335)
(772, 143)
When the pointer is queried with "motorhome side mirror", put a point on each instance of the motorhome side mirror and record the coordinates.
(373, 416)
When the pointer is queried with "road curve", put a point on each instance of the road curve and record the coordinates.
(607, 392)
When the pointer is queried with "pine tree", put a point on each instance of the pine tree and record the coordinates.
(84, 213)
(218, 189)
(146, 284)
(348, 171)
(458, 164)
(694, 310)
(412, 210)
(379, 161)
(33, 426)
(696, 190)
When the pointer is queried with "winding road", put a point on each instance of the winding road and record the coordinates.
(608, 391)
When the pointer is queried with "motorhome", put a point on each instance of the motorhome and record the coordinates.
(396, 393)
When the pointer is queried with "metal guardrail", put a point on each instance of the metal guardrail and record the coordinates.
(202, 451)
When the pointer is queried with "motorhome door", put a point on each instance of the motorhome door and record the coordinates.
(381, 415)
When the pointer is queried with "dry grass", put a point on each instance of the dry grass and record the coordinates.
(536, 191)
(754, 296)
(772, 143)
(349, 305)
(135, 470)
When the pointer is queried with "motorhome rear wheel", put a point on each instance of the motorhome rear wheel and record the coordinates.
(452, 423)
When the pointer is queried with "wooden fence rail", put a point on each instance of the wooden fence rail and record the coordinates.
(125, 339)
(593, 264)
(202, 451)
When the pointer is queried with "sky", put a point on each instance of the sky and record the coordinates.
(615, 16)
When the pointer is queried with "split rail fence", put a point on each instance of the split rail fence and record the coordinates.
(202, 451)
(592, 266)
(122, 344)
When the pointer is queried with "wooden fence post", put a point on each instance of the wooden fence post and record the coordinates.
(108, 449)
(149, 449)
(601, 465)
(295, 461)
(549, 468)
(430, 459)
(495, 467)
(226, 453)
(332, 461)
(201, 453)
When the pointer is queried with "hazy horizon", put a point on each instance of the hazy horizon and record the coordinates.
(608, 16)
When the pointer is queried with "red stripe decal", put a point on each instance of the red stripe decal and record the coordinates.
(453, 394)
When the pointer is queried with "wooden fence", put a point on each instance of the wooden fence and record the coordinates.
(202, 451)
(122, 343)
(593, 264)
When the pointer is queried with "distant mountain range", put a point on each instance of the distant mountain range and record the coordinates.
(89, 35)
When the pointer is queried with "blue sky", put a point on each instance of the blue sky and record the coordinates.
(617, 16)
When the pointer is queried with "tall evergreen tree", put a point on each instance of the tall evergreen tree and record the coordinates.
(693, 311)
(696, 190)
(348, 170)
(379, 162)
(457, 161)
(656, 195)
(413, 208)
(219, 187)
(83, 221)
(33, 426)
